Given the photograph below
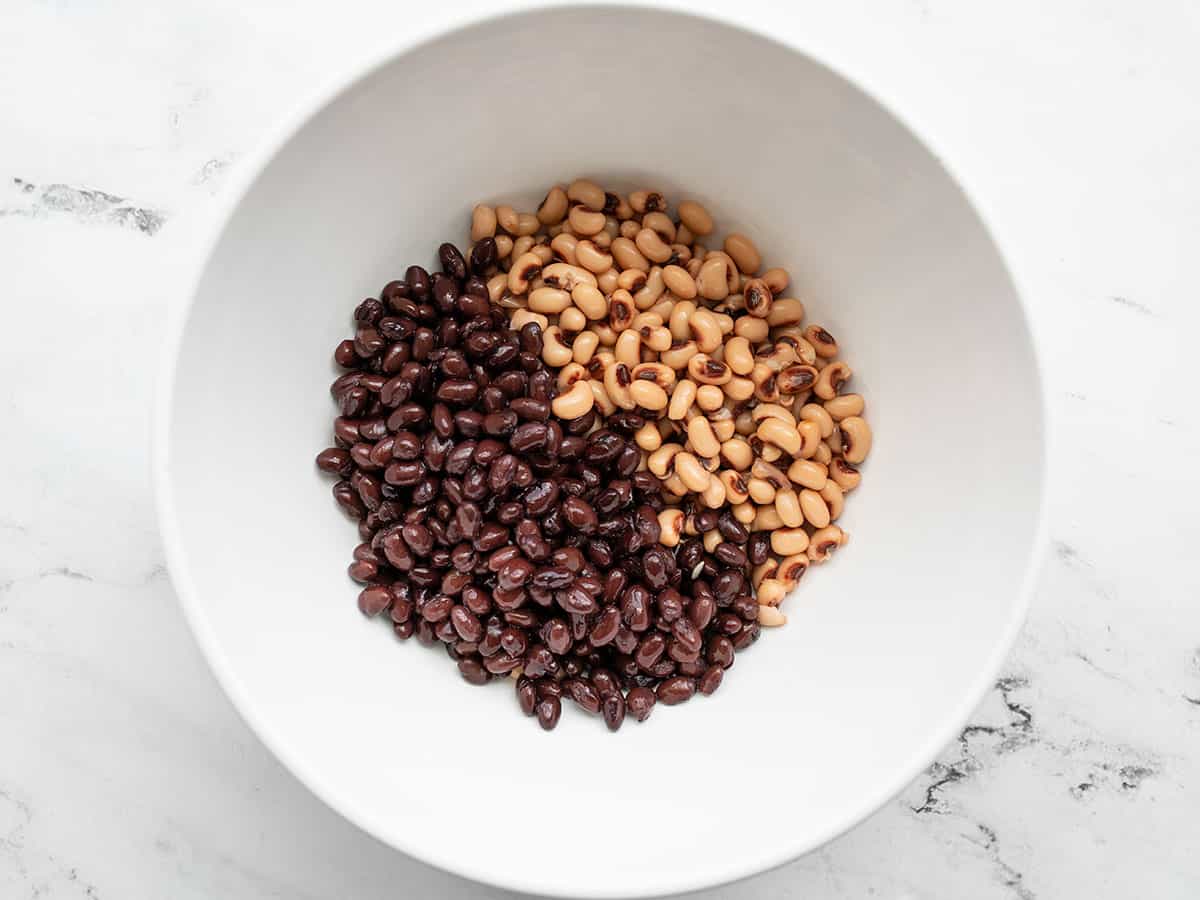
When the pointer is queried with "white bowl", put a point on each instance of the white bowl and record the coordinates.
(888, 648)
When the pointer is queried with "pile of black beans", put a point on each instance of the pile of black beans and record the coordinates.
(524, 545)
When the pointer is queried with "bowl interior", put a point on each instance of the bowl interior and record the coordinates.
(887, 648)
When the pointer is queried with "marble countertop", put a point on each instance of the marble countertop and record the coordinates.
(124, 771)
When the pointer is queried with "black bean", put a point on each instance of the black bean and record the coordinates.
(640, 703)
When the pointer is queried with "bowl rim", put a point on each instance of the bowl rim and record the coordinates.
(211, 227)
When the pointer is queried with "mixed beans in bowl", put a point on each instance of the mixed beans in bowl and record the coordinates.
(592, 453)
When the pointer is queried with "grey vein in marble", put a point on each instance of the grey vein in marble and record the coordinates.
(85, 204)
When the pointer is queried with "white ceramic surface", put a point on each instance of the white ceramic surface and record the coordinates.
(887, 650)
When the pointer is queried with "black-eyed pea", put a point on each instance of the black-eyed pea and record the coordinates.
(554, 352)
(744, 425)
(483, 222)
(681, 254)
(823, 342)
(776, 280)
(689, 524)
(584, 347)
(798, 402)
(777, 432)
(504, 245)
(693, 266)
(762, 572)
(709, 397)
(743, 252)
(588, 193)
(604, 403)
(808, 474)
(607, 280)
(737, 453)
(652, 246)
(856, 438)
(575, 402)
(774, 476)
(739, 389)
(554, 207)
(739, 355)
(621, 312)
(844, 475)
(629, 229)
(766, 388)
(733, 278)
(755, 331)
(814, 412)
(701, 437)
(823, 454)
(585, 222)
(526, 268)
(761, 491)
(766, 518)
(553, 231)
(648, 437)
(695, 218)
(789, 541)
(543, 252)
(816, 513)
(508, 301)
(657, 372)
(617, 381)
(684, 235)
(824, 542)
(670, 527)
(703, 369)
(786, 311)
(758, 298)
(652, 291)
(679, 354)
(547, 300)
(775, 355)
(589, 299)
(834, 499)
(771, 617)
(796, 379)
(681, 315)
(497, 286)
(787, 504)
(663, 308)
(527, 224)
(769, 452)
(831, 379)
(566, 276)
(706, 330)
(711, 281)
(679, 282)
(522, 317)
(844, 405)
(792, 568)
(647, 201)
(810, 439)
(662, 460)
(572, 319)
(744, 512)
(724, 429)
(772, 411)
(691, 472)
(735, 486)
(563, 247)
(804, 351)
(712, 540)
(713, 496)
(628, 256)
(656, 337)
(507, 218)
(592, 257)
(568, 375)
(612, 229)
(622, 210)
(674, 485)
(632, 280)
(724, 322)
(682, 399)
